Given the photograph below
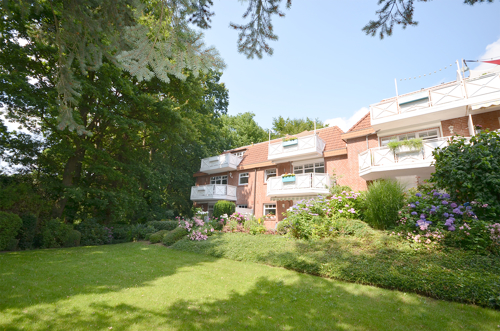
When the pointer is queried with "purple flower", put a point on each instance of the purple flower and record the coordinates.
(414, 213)
(444, 202)
(436, 194)
(412, 206)
(446, 196)
(453, 205)
(418, 195)
(422, 216)
(418, 202)
(451, 228)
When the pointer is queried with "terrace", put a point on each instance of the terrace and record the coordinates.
(301, 148)
(300, 185)
(213, 192)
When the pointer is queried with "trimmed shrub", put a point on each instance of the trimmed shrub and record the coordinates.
(163, 225)
(12, 246)
(347, 227)
(158, 236)
(121, 233)
(73, 239)
(28, 230)
(222, 207)
(175, 235)
(55, 234)
(281, 227)
(141, 232)
(9, 227)
(383, 201)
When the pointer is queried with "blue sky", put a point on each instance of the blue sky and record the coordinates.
(325, 67)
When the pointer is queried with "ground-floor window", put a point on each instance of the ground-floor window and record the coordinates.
(269, 208)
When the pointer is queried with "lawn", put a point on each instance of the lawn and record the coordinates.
(136, 286)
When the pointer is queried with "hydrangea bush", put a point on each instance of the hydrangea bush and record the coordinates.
(431, 217)
(314, 218)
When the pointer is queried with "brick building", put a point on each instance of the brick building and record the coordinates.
(252, 176)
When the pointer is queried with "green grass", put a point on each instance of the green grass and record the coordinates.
(136, 286)
(378, 260)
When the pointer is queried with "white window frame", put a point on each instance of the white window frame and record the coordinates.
(385, 140)
(214, 179)
(243, 175)
(268, 207)
(239, 154)
(302, 168)
(270, 173)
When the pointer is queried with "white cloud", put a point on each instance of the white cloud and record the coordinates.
(345, 123)
(492, 52)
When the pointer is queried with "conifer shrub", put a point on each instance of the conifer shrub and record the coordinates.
(9, 227)
(175, 235)
(27, 232)
(158, 236)
(163, 225)
(55, 233)
(223, 207)
(383, 201)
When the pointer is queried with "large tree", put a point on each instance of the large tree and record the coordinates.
(148, 136)
(242, 130)
(282, 126)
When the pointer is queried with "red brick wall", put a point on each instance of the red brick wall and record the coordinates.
(460, 126)
(489, 120)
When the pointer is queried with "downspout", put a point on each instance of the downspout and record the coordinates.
(254, 190)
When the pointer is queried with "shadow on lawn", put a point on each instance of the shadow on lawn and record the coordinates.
(45, 276)
(307, 303)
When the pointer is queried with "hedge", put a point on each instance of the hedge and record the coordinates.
(9, 226)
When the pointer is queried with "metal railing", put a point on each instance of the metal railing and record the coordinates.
(306, 144)
(220, 161)
(311, 181)
(438, 95)
(213, 191)
(384, 156)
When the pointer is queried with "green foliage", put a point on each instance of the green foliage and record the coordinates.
(163, 225)
(93, 233)
(350, 227)
(10, 224)
(254, 227)
(338, 189)
(74, 238)
(158, 236)
(55, 234)
(242, 130)
(223, 207)
(383, 201)
(12, 245)
(282, 126)
(413, 144)
(175, 235)
(282, 227)
(377, 260)
(27, 232)
(314, 218)
(470, 171)
(20, 194)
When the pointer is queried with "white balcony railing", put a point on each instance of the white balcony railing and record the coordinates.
(306, 147)
(213, 192)
(384, 157)
(304, 184)
(220, 163)
(483, 87)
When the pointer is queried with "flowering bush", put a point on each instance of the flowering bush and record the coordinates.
(313, 218)
(197, 228)
(432, 217)
(237, 217)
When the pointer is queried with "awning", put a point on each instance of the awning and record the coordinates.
(296, 198)
(486, 105)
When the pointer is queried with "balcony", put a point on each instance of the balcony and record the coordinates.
(451, 100)
(306, 147)
(213, 192)
(382, 162)
(304, 185)
(220, 163)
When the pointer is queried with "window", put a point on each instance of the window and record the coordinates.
(243, 178)
(239, 154)
(269, 173)
(218, 180)
(318, 168)
(210, 209)
(424, 135)
(242, 206)
(269, 208)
